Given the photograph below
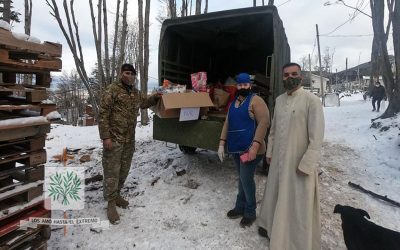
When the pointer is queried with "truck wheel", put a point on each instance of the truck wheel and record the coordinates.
(187, 149)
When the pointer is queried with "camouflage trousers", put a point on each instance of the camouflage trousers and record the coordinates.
(116, 164)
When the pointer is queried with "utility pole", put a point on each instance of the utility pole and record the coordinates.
(347, 78)
(309, 73)
(358, 72)
(336, 83)
(320, 66)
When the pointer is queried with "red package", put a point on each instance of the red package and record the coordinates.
(199, 81)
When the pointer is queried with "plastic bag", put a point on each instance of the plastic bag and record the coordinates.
(199, 81)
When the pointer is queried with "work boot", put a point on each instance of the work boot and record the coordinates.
(247, 221)
(234, 214)
(373, 109)
(263, 232)
(121, 202)
(112, 213)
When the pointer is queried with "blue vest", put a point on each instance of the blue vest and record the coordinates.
(241, 127)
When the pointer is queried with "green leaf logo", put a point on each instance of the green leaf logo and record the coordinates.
(64, 187)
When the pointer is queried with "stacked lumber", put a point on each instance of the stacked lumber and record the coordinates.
(23, 129)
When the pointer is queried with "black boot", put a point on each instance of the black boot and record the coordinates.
(263, 232)
(247, 222)
(234, 214)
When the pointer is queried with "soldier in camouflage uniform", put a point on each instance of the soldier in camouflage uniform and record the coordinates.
(119, 109)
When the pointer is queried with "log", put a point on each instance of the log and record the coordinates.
(375, 195)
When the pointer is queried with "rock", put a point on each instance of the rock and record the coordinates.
(84, 158)
(180, 172)
(192, 184)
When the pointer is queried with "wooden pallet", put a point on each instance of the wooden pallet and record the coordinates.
(9, 74)
(10, 236)
(17, 195)
(7, 40)
(8, 133)
(7, 59)
(24, 94)
(23, 156)
(40, 109)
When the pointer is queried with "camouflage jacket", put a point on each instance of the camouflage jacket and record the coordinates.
(118, 112)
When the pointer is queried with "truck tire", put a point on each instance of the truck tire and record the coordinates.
(187, 149)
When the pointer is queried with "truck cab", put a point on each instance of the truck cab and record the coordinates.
(222, 44)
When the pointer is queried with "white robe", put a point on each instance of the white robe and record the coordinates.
(290, 209)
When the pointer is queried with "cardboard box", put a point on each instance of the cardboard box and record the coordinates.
(170, 104)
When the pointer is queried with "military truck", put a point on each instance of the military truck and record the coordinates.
(220, 43)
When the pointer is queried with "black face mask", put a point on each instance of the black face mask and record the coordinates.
(244, 92)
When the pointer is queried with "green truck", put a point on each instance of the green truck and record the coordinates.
(221, 43)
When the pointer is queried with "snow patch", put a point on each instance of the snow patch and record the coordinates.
(5, 25)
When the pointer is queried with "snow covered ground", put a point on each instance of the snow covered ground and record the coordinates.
(168, 211)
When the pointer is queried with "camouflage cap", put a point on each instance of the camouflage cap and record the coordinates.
(128, 67)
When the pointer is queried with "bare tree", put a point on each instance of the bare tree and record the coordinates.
(113, 58)
(206, 7)
(97, 34)
(184, 8)
(28, 16)
(8, 14)
(254, 3)
(391, 81)
(143, 57)
(70, 97)
(73, 40)
(123, 32)
(6, 10)
(198, 7)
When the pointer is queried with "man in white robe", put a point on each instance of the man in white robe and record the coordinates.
(290, 210)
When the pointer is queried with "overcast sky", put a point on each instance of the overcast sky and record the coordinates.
(352, 40)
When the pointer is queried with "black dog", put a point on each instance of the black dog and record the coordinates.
(361, 234)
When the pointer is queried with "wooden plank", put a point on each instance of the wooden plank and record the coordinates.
(25, 192)
(34, 158)
(30, 144)
(36, 95)
(17, 107)
(43, 79)
(50, 48)
(18, 132)
(50, 65)
(11, 222)
(32, 94)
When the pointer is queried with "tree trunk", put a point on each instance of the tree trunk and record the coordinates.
(184, 8)
(171, 8)
(206, 7)
(113, 58)
(392, 89)
(74, 45)
(143, 85)
(394, 94)
(270, 2)
(106, 54)
(28, 16)
(123, 37)
(27, 26)
(198, 7)
(254, 3)
(97, 31)
(7, 10)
